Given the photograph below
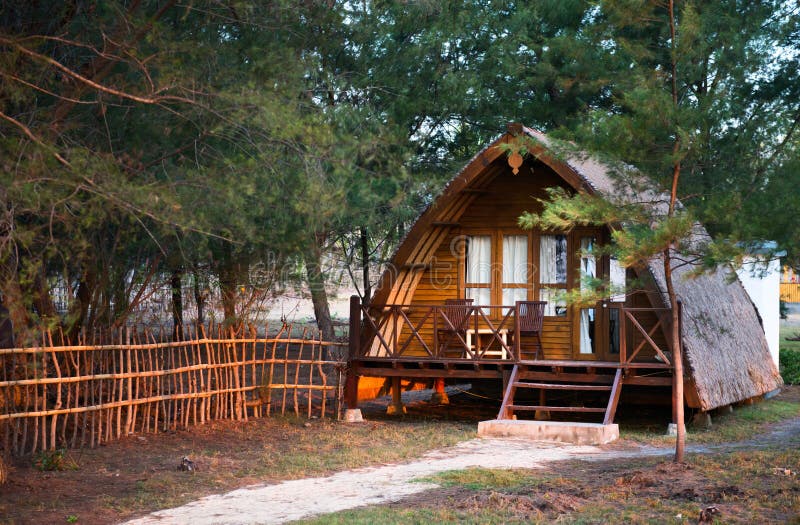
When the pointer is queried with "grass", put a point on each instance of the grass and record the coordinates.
(741, 424)
(789, 331)
(482, 479)
(419, 516)
(746, 487)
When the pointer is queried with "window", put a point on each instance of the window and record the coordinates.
(553, 272)
(616, 274)
(515, 269)
(616, 277)
(478, 275)
(588, 271)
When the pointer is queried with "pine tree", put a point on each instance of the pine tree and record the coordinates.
(686, 79)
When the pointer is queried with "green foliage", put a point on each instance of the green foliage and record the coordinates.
(689, 115)
(741, 424)
(58, 459)
(790, 366)
(214, 139)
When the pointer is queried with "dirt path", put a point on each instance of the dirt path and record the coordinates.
(303, 498)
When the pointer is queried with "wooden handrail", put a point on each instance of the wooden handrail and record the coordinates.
(394, 331)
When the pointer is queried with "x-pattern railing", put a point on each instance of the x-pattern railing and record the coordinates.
(394, 329)
(629, 317)
(397, 327)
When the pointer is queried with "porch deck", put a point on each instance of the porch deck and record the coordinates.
(405, 341)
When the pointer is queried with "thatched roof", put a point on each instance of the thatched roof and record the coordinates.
(723, 341)
(724, 344)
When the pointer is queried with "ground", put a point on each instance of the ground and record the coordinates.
(140, 474)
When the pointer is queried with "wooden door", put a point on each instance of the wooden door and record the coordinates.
(596, 329)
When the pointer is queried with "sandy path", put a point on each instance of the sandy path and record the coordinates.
(302, 498)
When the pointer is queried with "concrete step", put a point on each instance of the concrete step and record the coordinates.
(552, 431)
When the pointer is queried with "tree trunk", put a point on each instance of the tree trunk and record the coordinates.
(79, 308)
(199, 298)
(365, 266)
(316, 284)
(228, 286)
(677, 344)
(677, 362)
(13, 300)
(42, 302)
(177, 305)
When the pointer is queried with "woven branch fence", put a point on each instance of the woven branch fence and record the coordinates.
(103, 388)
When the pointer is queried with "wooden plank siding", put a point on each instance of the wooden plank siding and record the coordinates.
(790, 292)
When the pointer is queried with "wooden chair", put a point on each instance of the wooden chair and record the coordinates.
(530, 315)
(457, 312)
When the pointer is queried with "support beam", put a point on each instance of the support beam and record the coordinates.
(351, 379)
(439, 396)
(397, 403)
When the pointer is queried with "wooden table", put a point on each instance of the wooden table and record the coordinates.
(477, 333)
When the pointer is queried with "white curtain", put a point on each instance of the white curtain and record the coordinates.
(512, 295)
(588, 262)
(588, 269)
(553, 259)
(553, 307)
(479, 260)
(515, 259)
(617, 277)
(587, 330)
(480, 296)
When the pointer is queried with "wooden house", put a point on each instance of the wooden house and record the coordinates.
(470, 295)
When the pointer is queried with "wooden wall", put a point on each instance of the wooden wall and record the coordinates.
(496, 208)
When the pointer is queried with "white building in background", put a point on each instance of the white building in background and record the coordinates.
(761, 276)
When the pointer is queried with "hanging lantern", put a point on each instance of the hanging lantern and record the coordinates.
(515, 161)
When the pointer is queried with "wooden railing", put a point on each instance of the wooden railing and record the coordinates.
(422, 332)
(398, 331)
(631, 323)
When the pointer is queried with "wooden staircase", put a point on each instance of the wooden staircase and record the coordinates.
(526, 377)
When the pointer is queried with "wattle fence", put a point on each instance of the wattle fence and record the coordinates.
(102, 388)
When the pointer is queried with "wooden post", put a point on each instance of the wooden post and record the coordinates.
(677, 386)
(518, 338)
(439, 396)
(351, 380)
(397, 403)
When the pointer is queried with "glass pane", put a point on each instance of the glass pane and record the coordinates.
(515, 260)
(617, 277)
(554, 308)
(613, 331)
(512, 295)
(553, 259)
(480, 296)
(479, 259)
(588, 262)
(587, 331)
